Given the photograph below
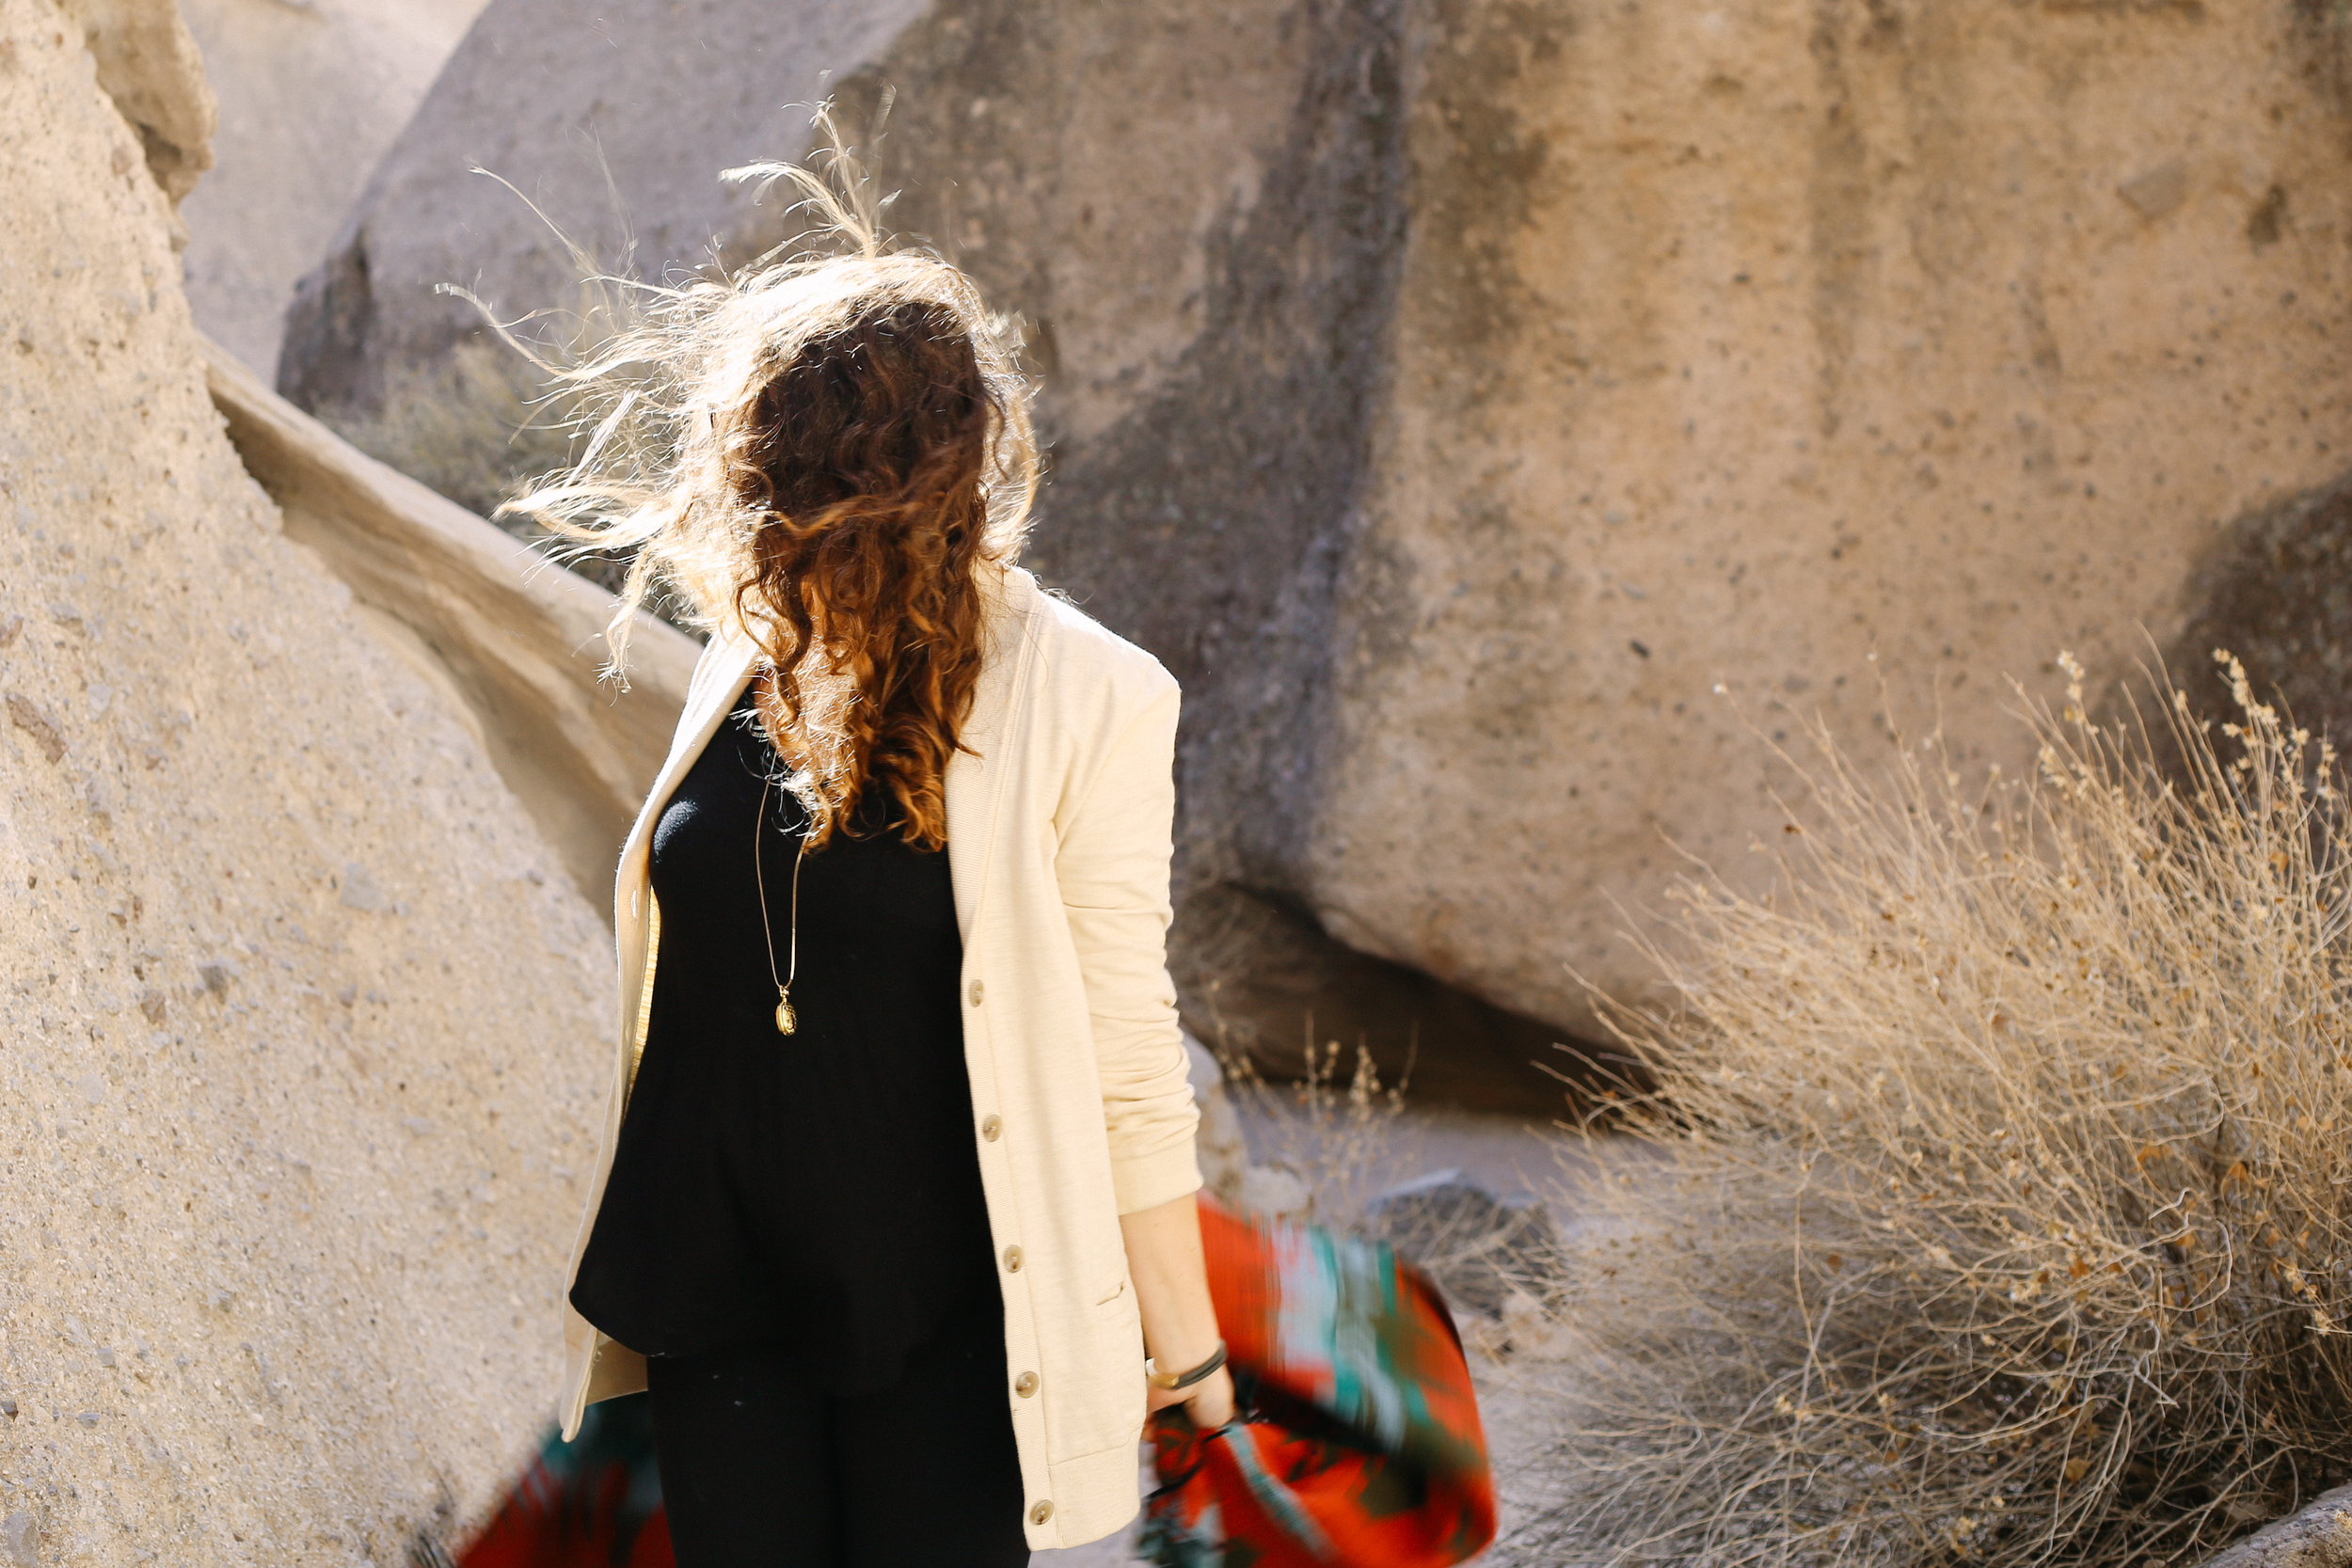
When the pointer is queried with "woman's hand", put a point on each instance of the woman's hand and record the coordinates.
(1209, 1402)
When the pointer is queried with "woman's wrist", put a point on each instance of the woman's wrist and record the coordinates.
(1176, 1377)
(1176, 1352)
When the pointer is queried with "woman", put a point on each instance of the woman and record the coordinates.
(896, 1190)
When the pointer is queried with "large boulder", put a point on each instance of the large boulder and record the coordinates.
(1456, 394)
(1798, 348)
(310, 95)
(306, 1032)
(674, 91)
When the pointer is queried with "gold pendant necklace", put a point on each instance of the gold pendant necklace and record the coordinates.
(788, 1020)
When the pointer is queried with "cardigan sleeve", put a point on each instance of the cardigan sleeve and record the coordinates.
(1113, 866)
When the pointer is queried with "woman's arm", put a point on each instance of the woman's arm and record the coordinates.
(1113, 866)
(1111, 858)
(1172, 1288)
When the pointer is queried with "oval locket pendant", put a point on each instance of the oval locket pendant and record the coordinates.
(787, 1020)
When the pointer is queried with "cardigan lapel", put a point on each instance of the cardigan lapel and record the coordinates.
(973, 789)
(728, 668)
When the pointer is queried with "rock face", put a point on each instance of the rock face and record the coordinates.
(1796, 347)
(302, 1023)
(310, 95)
(2276, 590)
(1480, 1247)
(148, 65)
(513, 643)
(1455, 392)
(2318, 1536)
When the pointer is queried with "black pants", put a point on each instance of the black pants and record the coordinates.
(759, 1469)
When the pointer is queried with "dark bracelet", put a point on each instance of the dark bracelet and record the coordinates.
(1158, 1379)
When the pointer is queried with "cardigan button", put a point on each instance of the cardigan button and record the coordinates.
(991, 1127)
(1012, 1259)
(1042, 1512)
(975, 993)
(1024, 1386)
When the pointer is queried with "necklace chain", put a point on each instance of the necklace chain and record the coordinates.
(788, 1019)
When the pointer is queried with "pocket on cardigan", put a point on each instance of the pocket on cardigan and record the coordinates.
(1118, 1324)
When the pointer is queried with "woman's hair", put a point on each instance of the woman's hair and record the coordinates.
(822, 453)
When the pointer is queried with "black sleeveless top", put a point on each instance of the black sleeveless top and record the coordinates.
(820, 1190)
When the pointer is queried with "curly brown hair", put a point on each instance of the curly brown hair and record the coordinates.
(863, 459)
(826, 454)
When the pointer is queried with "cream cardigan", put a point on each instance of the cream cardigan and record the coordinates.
(1059, 843)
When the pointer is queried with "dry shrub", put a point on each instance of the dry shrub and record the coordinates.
(2000, 1209)
(1321, 1144)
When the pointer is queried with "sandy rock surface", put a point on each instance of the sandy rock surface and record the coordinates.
(149, 65)
(310, 95)
(301, 1028)
(514, 646)
(2318, 1536)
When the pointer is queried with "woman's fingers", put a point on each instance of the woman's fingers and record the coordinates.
(1211, 1405)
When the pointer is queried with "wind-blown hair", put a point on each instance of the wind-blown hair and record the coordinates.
(826, 453)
